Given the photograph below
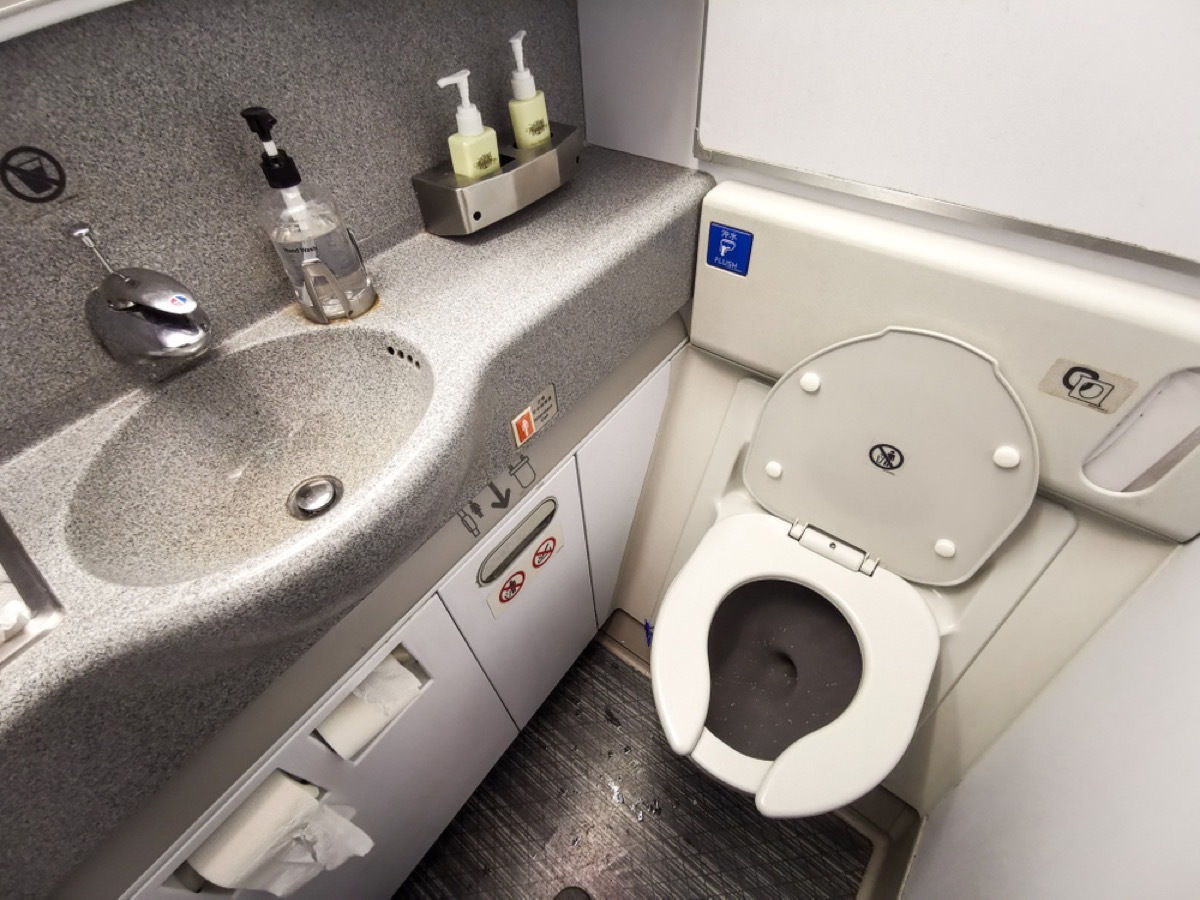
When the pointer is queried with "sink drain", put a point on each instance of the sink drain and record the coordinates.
(314, 496)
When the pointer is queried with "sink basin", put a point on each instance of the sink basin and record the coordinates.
(198, 479)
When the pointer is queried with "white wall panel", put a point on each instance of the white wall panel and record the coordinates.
(1092, 792)
(1069, 114)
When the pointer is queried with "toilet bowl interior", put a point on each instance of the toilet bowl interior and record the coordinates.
(784, 662)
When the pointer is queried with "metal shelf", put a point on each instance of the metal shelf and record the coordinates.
(453, 205)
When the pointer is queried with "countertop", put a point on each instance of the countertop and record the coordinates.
(101, 712)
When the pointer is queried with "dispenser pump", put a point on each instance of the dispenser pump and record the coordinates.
(470, 123)
(281, 172)
(523, 87)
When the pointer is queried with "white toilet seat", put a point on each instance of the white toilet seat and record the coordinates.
(834, 765)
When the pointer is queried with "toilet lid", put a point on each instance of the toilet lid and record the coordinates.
(907, 444)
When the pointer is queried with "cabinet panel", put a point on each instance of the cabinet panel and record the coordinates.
(612, 468)
(404, 786)
(409, 783)
(534, 617)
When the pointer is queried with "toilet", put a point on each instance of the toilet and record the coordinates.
(792, 651)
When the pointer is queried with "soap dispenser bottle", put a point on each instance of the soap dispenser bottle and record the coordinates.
(473, 149)
(527, 108)
(318, 252)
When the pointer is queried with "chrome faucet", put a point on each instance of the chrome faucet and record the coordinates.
(144, 318)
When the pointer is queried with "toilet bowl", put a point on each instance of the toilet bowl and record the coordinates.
(791, 653)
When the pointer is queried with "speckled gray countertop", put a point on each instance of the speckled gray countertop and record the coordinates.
(97, 715)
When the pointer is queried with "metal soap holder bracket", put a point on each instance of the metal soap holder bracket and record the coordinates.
(451, 204)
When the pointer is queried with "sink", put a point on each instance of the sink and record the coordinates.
(198, 479)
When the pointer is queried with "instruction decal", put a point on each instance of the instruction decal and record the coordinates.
(501, 501)
(513, 587)
(501, 493)
(535, 416)
(729, 248)
(523, 472)
(886, 457)
(32, 174)
(1087, 385)
(545, 550)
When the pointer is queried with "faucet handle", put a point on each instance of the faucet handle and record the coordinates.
(124, 288)
(84, 232)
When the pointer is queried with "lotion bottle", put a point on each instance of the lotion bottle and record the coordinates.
(473, 149)
(527, 108)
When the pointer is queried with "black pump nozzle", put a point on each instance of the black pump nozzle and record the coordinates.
(281, 172)
(260, 121)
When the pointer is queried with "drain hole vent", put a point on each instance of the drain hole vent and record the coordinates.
(314, 497)
(403, 356)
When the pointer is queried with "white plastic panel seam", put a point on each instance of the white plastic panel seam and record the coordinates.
(612, 466)
(723, 470)
(969, 614)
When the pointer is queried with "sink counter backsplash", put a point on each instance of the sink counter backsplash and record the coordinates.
(187, 588)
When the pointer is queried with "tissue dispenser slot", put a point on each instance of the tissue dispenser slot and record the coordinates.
(453, 205)
(374, 704)
(282, 836)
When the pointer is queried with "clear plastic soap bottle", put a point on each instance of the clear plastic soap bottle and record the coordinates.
(318, 252)
(474, 151)
(527, 108)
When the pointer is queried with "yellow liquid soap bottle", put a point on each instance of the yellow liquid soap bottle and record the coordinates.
(527, 108)
(473, 149)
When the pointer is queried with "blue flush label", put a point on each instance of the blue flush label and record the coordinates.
(729, 248)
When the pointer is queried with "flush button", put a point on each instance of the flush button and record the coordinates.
(1007, 457)
(810, 382)
(774, 469)
(944, 548)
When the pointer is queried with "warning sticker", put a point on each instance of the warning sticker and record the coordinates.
(1087, 385)
(535, 416)
(545, 550)
(518, 587)
(512, 586)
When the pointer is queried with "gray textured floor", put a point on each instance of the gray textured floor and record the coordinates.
(591, 795)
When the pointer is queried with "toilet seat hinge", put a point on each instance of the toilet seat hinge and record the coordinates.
(833, 548)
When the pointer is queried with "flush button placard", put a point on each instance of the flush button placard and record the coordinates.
(729, 248)
(536, 416)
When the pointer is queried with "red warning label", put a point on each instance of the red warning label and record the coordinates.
(523, 427)
(512, 587)
(545, 550)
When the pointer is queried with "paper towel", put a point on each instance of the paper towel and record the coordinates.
(14, 614)
(380, 697)
(278, 840)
